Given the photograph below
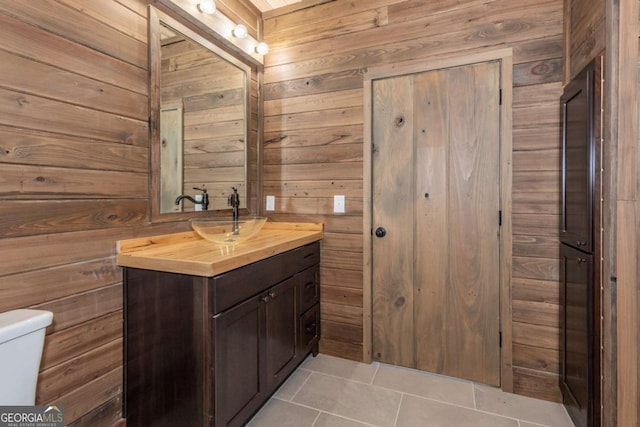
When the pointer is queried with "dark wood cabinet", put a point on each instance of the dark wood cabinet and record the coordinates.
(282, 327)
(309, 294)
(578, 159)
(211, 351)
(581, 246)
(310, 330)
(579, 374)
(238, 368)
(308, 301)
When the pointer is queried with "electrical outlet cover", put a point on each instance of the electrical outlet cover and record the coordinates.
(338, 204)
(271, 203)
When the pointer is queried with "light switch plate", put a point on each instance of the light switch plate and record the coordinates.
(338, 204)
(271, 203)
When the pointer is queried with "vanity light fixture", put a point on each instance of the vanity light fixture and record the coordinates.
(207, 6)
(240, 31)
(262, 48)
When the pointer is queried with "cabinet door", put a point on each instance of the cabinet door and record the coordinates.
(578, 346)
(578, 157)
(281, 319)
(240, 386)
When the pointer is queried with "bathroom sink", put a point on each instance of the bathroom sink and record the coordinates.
(220, 231)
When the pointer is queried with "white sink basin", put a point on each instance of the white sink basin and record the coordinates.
(220, 231)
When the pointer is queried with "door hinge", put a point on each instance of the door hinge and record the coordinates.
(500, 339)
(500, 218)
(500, 97)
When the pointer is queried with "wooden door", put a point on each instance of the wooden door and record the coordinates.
(436, 194)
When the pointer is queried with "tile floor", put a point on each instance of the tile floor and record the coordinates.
(332, 392)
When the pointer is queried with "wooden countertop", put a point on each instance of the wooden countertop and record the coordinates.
(188, 253)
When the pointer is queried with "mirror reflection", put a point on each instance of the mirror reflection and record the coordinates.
(203, 124)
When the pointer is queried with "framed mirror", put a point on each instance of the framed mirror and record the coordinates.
(199, 127)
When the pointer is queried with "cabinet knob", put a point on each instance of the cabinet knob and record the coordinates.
(581, 260)
(580, 243)
(269, 296)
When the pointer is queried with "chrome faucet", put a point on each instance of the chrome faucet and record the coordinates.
(204, 202)
(234, 202)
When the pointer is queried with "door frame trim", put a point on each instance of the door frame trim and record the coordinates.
(505, 57)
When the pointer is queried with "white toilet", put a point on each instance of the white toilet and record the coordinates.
(21, 343)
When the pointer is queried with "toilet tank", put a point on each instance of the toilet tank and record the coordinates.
(21, 342)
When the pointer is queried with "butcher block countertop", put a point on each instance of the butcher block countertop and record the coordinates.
(188, 253)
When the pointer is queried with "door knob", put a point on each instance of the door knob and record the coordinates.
(381, 232)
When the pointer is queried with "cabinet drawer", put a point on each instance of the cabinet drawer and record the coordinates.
(308, 288)
(235, 286)
(309, 329)
(309, 255)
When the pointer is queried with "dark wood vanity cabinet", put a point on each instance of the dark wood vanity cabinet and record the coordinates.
(211, 351)
(255, 350)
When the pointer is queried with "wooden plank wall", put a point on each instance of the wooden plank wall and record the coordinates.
(313, 145)
(584, 31)
(73, 180)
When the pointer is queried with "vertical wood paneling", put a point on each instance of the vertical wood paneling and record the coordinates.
(622, 209)
(393, 117)
(322, 70)
(74, 179)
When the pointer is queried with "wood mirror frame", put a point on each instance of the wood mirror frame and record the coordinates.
(158, 19)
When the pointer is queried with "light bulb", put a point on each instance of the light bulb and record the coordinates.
(262, 48)
(240, 31)
(207, 6)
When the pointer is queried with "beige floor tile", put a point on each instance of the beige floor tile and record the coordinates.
(333, 392)
(424, 384)
(328, 420)
(419, 412)
(344, 368)
(493, 400)
(292, 384)
(361, 402)
(278, 413)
